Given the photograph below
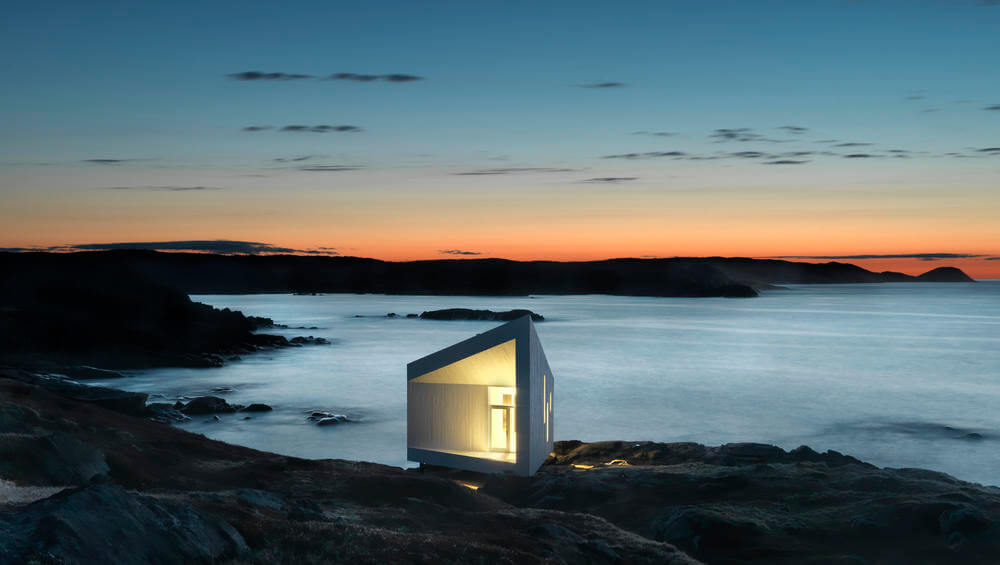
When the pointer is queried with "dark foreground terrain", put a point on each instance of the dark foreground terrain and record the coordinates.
(83, 483)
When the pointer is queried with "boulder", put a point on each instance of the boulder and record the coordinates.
(309, 340)
(53, 459)
(209, 405)
(165, 413)
(258, 407)
(327, 418)
(103, 523)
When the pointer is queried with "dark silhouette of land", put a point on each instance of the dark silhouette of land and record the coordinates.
(128, 309)
(55, 316)
(241, 274)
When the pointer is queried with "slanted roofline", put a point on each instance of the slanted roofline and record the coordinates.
(475, 344)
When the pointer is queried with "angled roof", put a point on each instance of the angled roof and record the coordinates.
(491, 354)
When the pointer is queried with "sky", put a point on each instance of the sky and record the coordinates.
(863, 131)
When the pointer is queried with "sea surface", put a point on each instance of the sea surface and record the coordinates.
(899, 375)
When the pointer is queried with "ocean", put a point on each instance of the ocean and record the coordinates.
(899, 375)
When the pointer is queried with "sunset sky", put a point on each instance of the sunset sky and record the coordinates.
(526, 130)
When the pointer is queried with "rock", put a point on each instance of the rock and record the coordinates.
(390, 315)
(413, 315)
(105, 524)
(165, 413)
(83, 373)
(469, 314)
(54, 459)
(327, 418)
(257, 407)
(705, 531)
(338, 419)
(309, 340)
(209, 405)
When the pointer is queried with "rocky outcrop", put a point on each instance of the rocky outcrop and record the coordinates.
(103, 523)
(756, 503)
(488, 315)
(81, 318)
(209, 405)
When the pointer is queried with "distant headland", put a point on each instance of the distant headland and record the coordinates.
(195, 273)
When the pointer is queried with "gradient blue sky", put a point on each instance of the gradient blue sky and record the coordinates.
(504, 90)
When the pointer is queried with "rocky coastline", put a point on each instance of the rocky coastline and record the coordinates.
(84, 481)
(111, 319)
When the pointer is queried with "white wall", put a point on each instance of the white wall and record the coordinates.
(447, 416)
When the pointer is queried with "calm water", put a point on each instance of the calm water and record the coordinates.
(895, 374)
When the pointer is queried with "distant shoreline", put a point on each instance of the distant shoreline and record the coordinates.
(194, 273)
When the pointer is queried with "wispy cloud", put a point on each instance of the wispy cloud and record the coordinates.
(514, 171)
(785, 162)
(167, 188)
(109, 161)
(609, 179)
(294, 159)
(257, 75)
(646, 155)
(742, 135)
(793, 129)
(989, 150)
(329, 168)
(993, 107)
(458, 252)
(298, 128)
(853, 144)
(608, 84)
(217, 246)
(861, 156)
(918, 256)
(656, 133)
(357, 77)
(320, 128)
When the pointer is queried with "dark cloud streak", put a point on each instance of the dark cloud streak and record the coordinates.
(609, 179)
(514, 170)
(609, 84)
